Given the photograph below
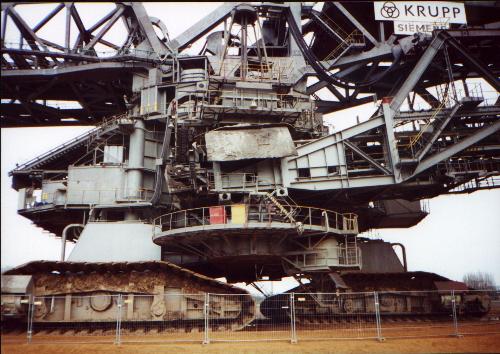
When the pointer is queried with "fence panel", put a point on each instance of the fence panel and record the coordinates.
(208, 317)
(74, 318)
(335, 316)
(237, 317)
(417, 314)
(170, 317)
(478, 312)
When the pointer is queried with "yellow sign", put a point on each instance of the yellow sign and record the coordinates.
(239, 214)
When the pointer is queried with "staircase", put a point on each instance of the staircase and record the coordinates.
(286, 207)
(105, 131)
(438, 122)
(346, 41)
(90, 139)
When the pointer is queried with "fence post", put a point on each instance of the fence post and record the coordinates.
(31, 311)
(293, 330)
(377, 317)
(206, 313)
(454, 312)
(119, 320)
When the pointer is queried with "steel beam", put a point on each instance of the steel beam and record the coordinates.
(456, 148)
(417, 72)
(384, 50)
(367, 157)
(437, 131)
(118, 12)
(203, 26)
(491, 78)
(148, 30)
(338, 137)
(332, 184)
(48, 17)
(356, 23)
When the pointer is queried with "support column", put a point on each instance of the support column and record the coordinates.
(392, 148)
(135, 165)
(296, 9)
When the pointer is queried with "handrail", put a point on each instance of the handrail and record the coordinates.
(308, 216)
(272, 70)
(416, 137)
(104, 123)
(349, 40)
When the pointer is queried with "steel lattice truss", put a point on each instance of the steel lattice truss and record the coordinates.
(38, 69)
(396, 153)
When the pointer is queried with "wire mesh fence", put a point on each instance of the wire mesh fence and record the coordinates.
(334, 316)
(237, 318)
(166, 318)
(170, 316)
(417, 314)
(472, 305)
(74, 318)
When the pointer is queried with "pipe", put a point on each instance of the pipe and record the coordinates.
(323, 72)
(403, 250)
(63, 239)
(135, 165)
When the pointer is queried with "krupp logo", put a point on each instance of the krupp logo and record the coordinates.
(389, 10)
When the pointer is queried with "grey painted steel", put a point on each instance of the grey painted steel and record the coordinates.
(367, 157)
(384, 50)
(415, 75)
(17, 284)
(79, 69)
(126, 241)
(201, 27)
(136, 159)
(146, 25)
(391, 142)
(355, 22)
(63, 238)
(437, 131)
(491, 78)
(457, 147)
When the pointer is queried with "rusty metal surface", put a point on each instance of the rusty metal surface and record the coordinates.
(245, 143)
(97, 273)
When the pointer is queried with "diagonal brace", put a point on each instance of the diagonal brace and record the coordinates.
(367, 157)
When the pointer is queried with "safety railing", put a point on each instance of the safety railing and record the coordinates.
(38, 198)
(256, 99)
(214, 317)
(465, 165)
(475, 184)
(197, 104)
(244, 214)
(276, 70)
(92, 133)
(355, 37)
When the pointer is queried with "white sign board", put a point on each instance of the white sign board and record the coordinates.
(402, 27)
(420, 11)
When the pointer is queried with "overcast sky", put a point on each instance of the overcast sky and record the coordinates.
(461, 235)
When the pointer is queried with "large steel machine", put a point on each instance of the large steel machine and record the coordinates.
(220, 163)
